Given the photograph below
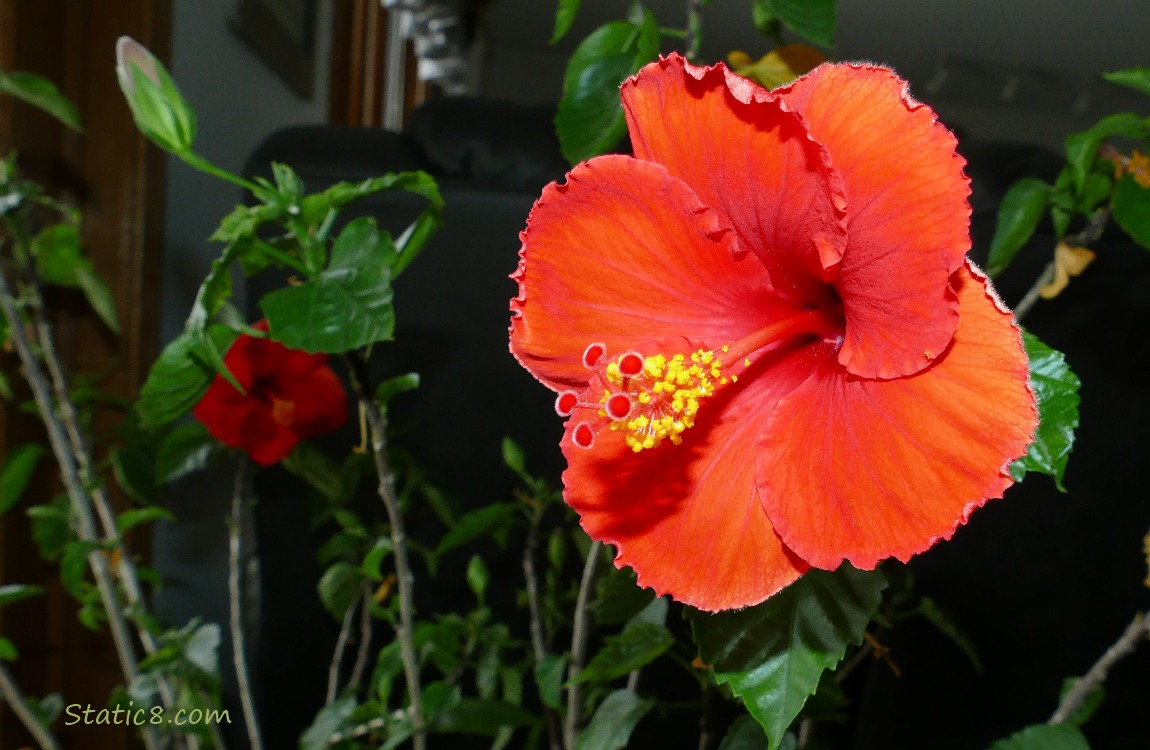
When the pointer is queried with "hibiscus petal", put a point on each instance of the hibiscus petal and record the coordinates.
(625, 253)
(686, 517)
(319, 401)
(867, 469)
(909, 215)
(264, 439)
(750, 159)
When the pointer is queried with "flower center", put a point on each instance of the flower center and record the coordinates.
(654, 398)
(283, 412)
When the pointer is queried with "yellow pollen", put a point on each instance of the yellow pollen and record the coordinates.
(667, 393)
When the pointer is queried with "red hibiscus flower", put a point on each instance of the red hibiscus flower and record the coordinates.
(763, 329)
(290, 396)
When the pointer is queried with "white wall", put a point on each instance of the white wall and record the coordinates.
(238, 102)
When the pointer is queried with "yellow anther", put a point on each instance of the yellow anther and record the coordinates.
(746, 363)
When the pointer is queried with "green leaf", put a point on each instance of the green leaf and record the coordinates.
(50, 528)
(1081, 148)
(477, 576)
(328, 721)
(549, 678)
(243, 221)
(339, 588)
(186, 449)
(564, 17)
(1131, 206)
(14, 592)
(744, 734)
(392, 387)
(179, 377)
(203, 647)
(1044, 737)
(48, 708)
(19, 466)
(635, 647)
(1056, 388)
(347, 305)
(494, 520)
(611, 726)
(514, 459)
(942, 620)
(810, 19)
(1090, 703)
(482, 717)
(1018, 216)
(1135, 78)
(130, 519)
(8, 650)
(590, 117)
(773, 655)
(60, 261)
(42, 94)
(315, 467)
(619, 597)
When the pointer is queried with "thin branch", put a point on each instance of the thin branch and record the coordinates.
(1090, 233)
(1137, 631)
(538, 641)
(80, 499)
(579, 645)
(405, 628)
(236, 606)
(337, 656)
(19, 705)
(125, 568)
(365, 632)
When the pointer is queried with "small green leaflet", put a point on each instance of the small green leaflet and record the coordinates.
(1044, 737)
(611, 726)
(1135, 78)
(1056, 389)
(811, 19)
(42, 94)
(1018, 216)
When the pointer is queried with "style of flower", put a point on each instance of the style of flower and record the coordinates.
(765, 335)
(288, 396)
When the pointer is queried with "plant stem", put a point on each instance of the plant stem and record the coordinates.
(80, 499)
(196, 161)
(337, 657)
(1137, 631)
(125, 568)
(405, 628)
(579, 645)
(19, 705)
(693, 36)
(1090, 233)
(236, 605)
(365, 629)
(538, 642)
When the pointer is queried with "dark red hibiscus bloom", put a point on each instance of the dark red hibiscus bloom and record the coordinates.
(290, 396)
(763, 329)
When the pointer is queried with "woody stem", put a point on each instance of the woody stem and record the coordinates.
(1137, 631)
(15, 699)
(405, 628)
(236, 600)
(1090, 233)
(579, 645)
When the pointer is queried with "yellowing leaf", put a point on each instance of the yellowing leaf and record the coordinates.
(779, 66)
(1068, 262)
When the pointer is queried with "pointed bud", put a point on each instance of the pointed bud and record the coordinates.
(161, 112)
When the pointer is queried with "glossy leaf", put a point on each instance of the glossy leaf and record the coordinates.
(19, 466)
(1057, 390)
(1135, 78)
(392, 387)
(810, 19)
(42, 94)
(614, 721)
(1044, 737)
(1018, 216)
(1131, 206)
(186, 449)
(1081, 148)
(635, 647)
(494, 520)
(315, 467)
(179, 378)
(130, 519)
(482, 717)
(590, 117)
(344, 307)
(619, 597)
(549, 678)
(328, 721)
(744, 734)
(60, 261)
(339, 588)
(564, 17)
(773, 655)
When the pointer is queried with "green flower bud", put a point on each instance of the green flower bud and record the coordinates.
(161, 112)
